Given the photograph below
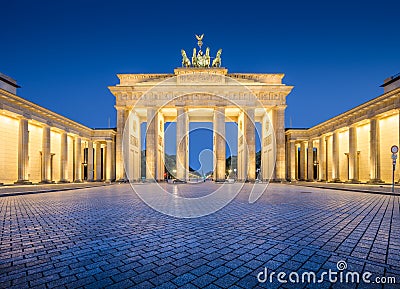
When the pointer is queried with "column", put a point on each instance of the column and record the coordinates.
(46, 155)
(353, 155)
(90, 164)
(219, 144)
(63, 158)
(250, 143)
(292, 160)
(78, 160)
(160, 168)
(113, 160)
(335, 157)
(99, 177)
(267, 149)
(23, 145)
(322, 158)
(122, 116)
(302, 173)
(182, 142)
(151, 144)
(278, 120)
(310, 161)
(108, 161)
(374, 151)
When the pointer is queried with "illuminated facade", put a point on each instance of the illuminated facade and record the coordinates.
(40, 146)
(351, 147)
(197, 94)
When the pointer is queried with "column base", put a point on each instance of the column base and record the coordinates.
(47, 182)
(78, 181)
(375, 181)
(310, 180)
(337, 180)
(63, 181)
(353, 182)
(22, 182)
(278, 180)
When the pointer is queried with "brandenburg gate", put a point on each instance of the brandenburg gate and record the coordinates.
(200, 91)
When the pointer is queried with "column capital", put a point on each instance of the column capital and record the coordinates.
(181, 107)
(279, 107)
(47, 124)
(121, 107)
(374, 118)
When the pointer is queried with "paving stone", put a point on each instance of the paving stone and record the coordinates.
(184, 279)
(107, 236)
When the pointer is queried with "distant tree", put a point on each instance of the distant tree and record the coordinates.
(231, 162)
(143, 164)
(170, 163)
(258, 160)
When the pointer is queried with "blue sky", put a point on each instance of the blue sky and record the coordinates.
(64, 54)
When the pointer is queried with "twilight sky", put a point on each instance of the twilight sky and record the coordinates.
(64, 54)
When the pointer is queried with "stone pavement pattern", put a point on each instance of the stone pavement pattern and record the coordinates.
(107, 237)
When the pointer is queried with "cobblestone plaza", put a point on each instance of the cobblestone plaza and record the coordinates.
(107, 237)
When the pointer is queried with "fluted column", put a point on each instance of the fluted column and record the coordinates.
(63, 158)
(122, 116)
(335, 157)
(98, 162)
(108, 160)
(310, 161)
(219, 144)
(151, 144)
(278, 120)
(374, 151)
(90, 164)
(302, 160)
(46, 155)
(78, 160)
(113, 160)
(23, 150)
(353, 155)
(250, 143)
(322, 158)
(182, 142)
(292, 160)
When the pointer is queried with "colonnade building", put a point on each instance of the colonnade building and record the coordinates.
(41, 146)
(354, 146)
